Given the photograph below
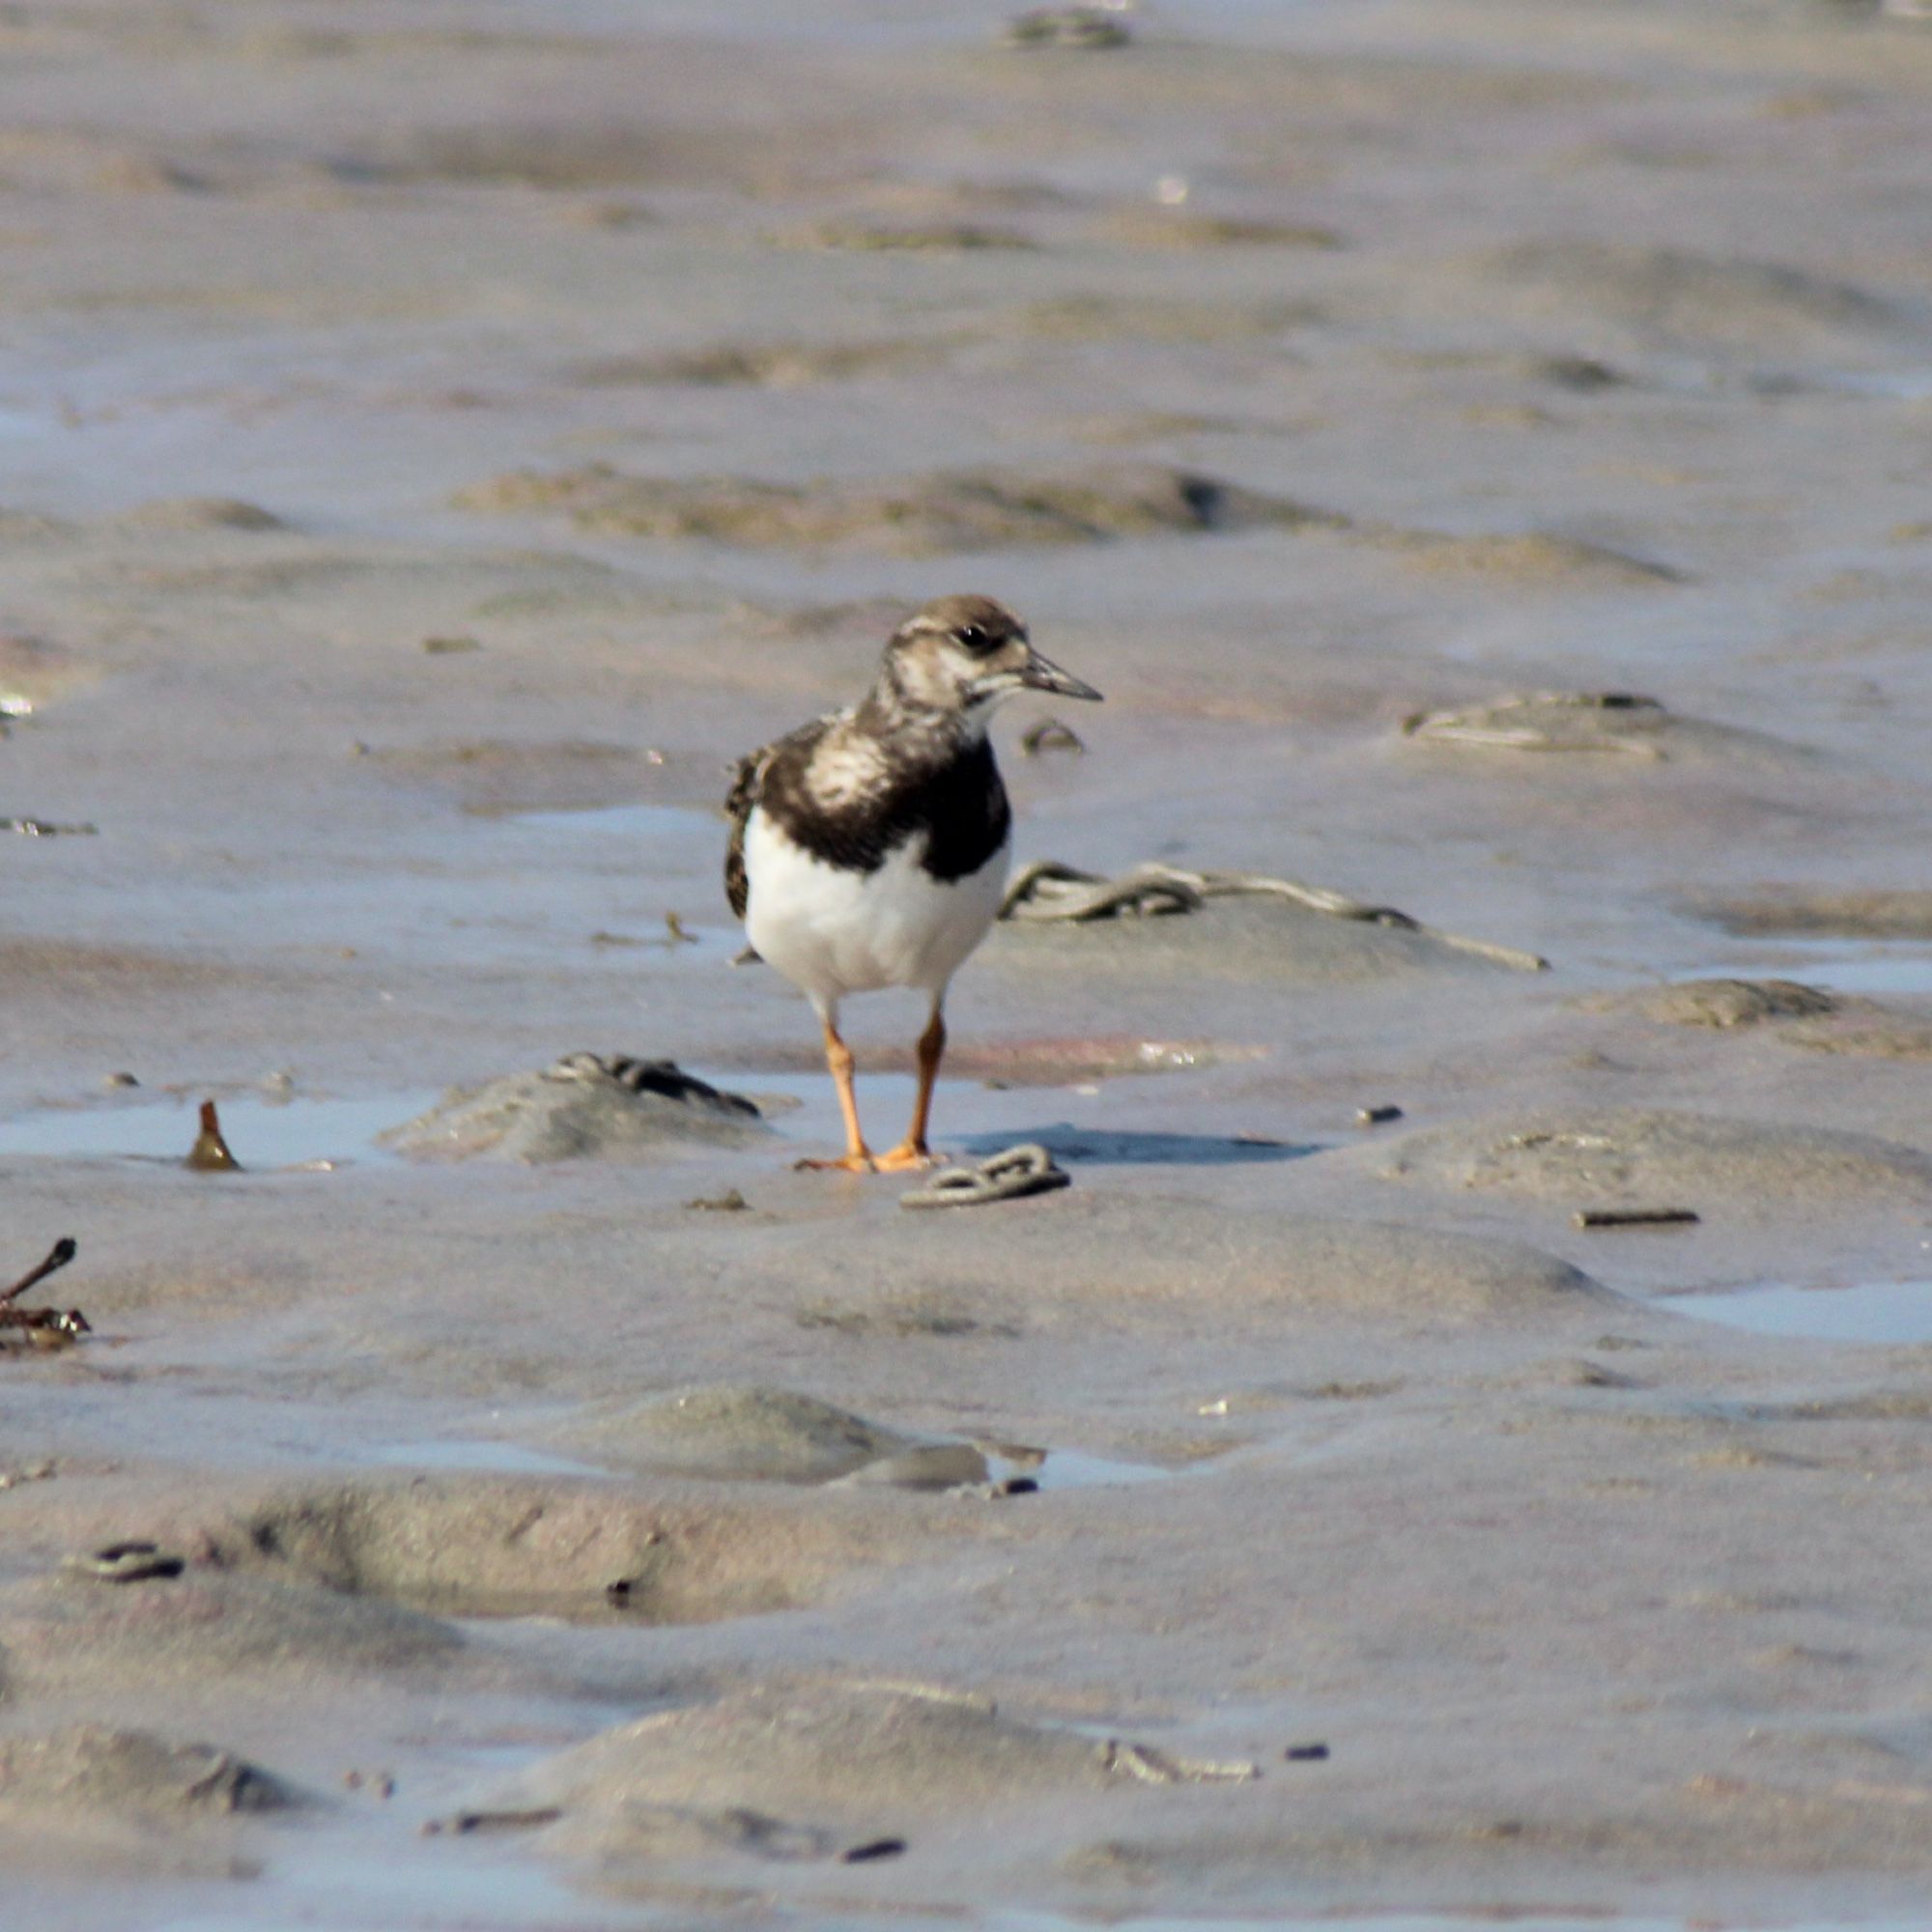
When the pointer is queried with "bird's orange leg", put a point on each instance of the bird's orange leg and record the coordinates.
(857, 1156)
(912, 1152)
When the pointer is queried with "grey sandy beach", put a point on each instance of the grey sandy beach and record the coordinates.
(1459, 1450)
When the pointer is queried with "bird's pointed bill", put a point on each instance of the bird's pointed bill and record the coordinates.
(1041, 674)
(1036, 673)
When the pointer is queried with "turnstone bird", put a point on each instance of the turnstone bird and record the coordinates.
(869, 847)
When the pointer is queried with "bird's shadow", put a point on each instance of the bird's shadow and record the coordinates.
(1121, 1146)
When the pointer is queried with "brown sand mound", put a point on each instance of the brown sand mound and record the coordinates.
(1533, 560)
(79, 973)
(1619, 723)
(1695, 1160)
(771, 365)
(1804, 910)
(852, 1755)
(1801, 1016)
(925, 517)
(586, 1106)
(1678, 294)
(1269, 940)
(931, 237)
(88, 1771)
(201, 513)
(1104, 317)
(1721, 1003)
(502, 1546)
(554, 153)
(1865, 1030)
(491, 775)
(1142, 226)
(1083, 1249)
(79, 1634)
(737, 1433)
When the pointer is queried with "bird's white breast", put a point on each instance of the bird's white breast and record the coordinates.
(833, 931)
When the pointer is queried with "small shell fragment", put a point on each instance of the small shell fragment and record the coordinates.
(133, 1562)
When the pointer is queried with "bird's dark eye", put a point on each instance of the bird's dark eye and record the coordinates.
(973, 638)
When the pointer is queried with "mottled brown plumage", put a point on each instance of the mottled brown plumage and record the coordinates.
(951, 794)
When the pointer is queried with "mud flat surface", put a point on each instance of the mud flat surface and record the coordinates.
(1480, 451)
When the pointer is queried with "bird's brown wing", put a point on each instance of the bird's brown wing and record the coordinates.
(738, 803)
(748, 787)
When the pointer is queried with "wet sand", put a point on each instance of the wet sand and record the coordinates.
(436, 439)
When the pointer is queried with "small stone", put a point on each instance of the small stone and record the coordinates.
(871, 1849)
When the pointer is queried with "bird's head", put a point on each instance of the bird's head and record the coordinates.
(964, 655)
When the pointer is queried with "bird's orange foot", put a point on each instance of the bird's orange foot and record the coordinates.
(908, 1157)
(846, 1163)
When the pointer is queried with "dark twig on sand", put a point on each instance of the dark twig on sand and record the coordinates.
(467, 1823)
(1635, 1217)
(871, 1849)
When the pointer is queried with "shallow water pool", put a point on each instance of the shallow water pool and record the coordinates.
(1888, 1313)
(1838, 965)
(262, 1131)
